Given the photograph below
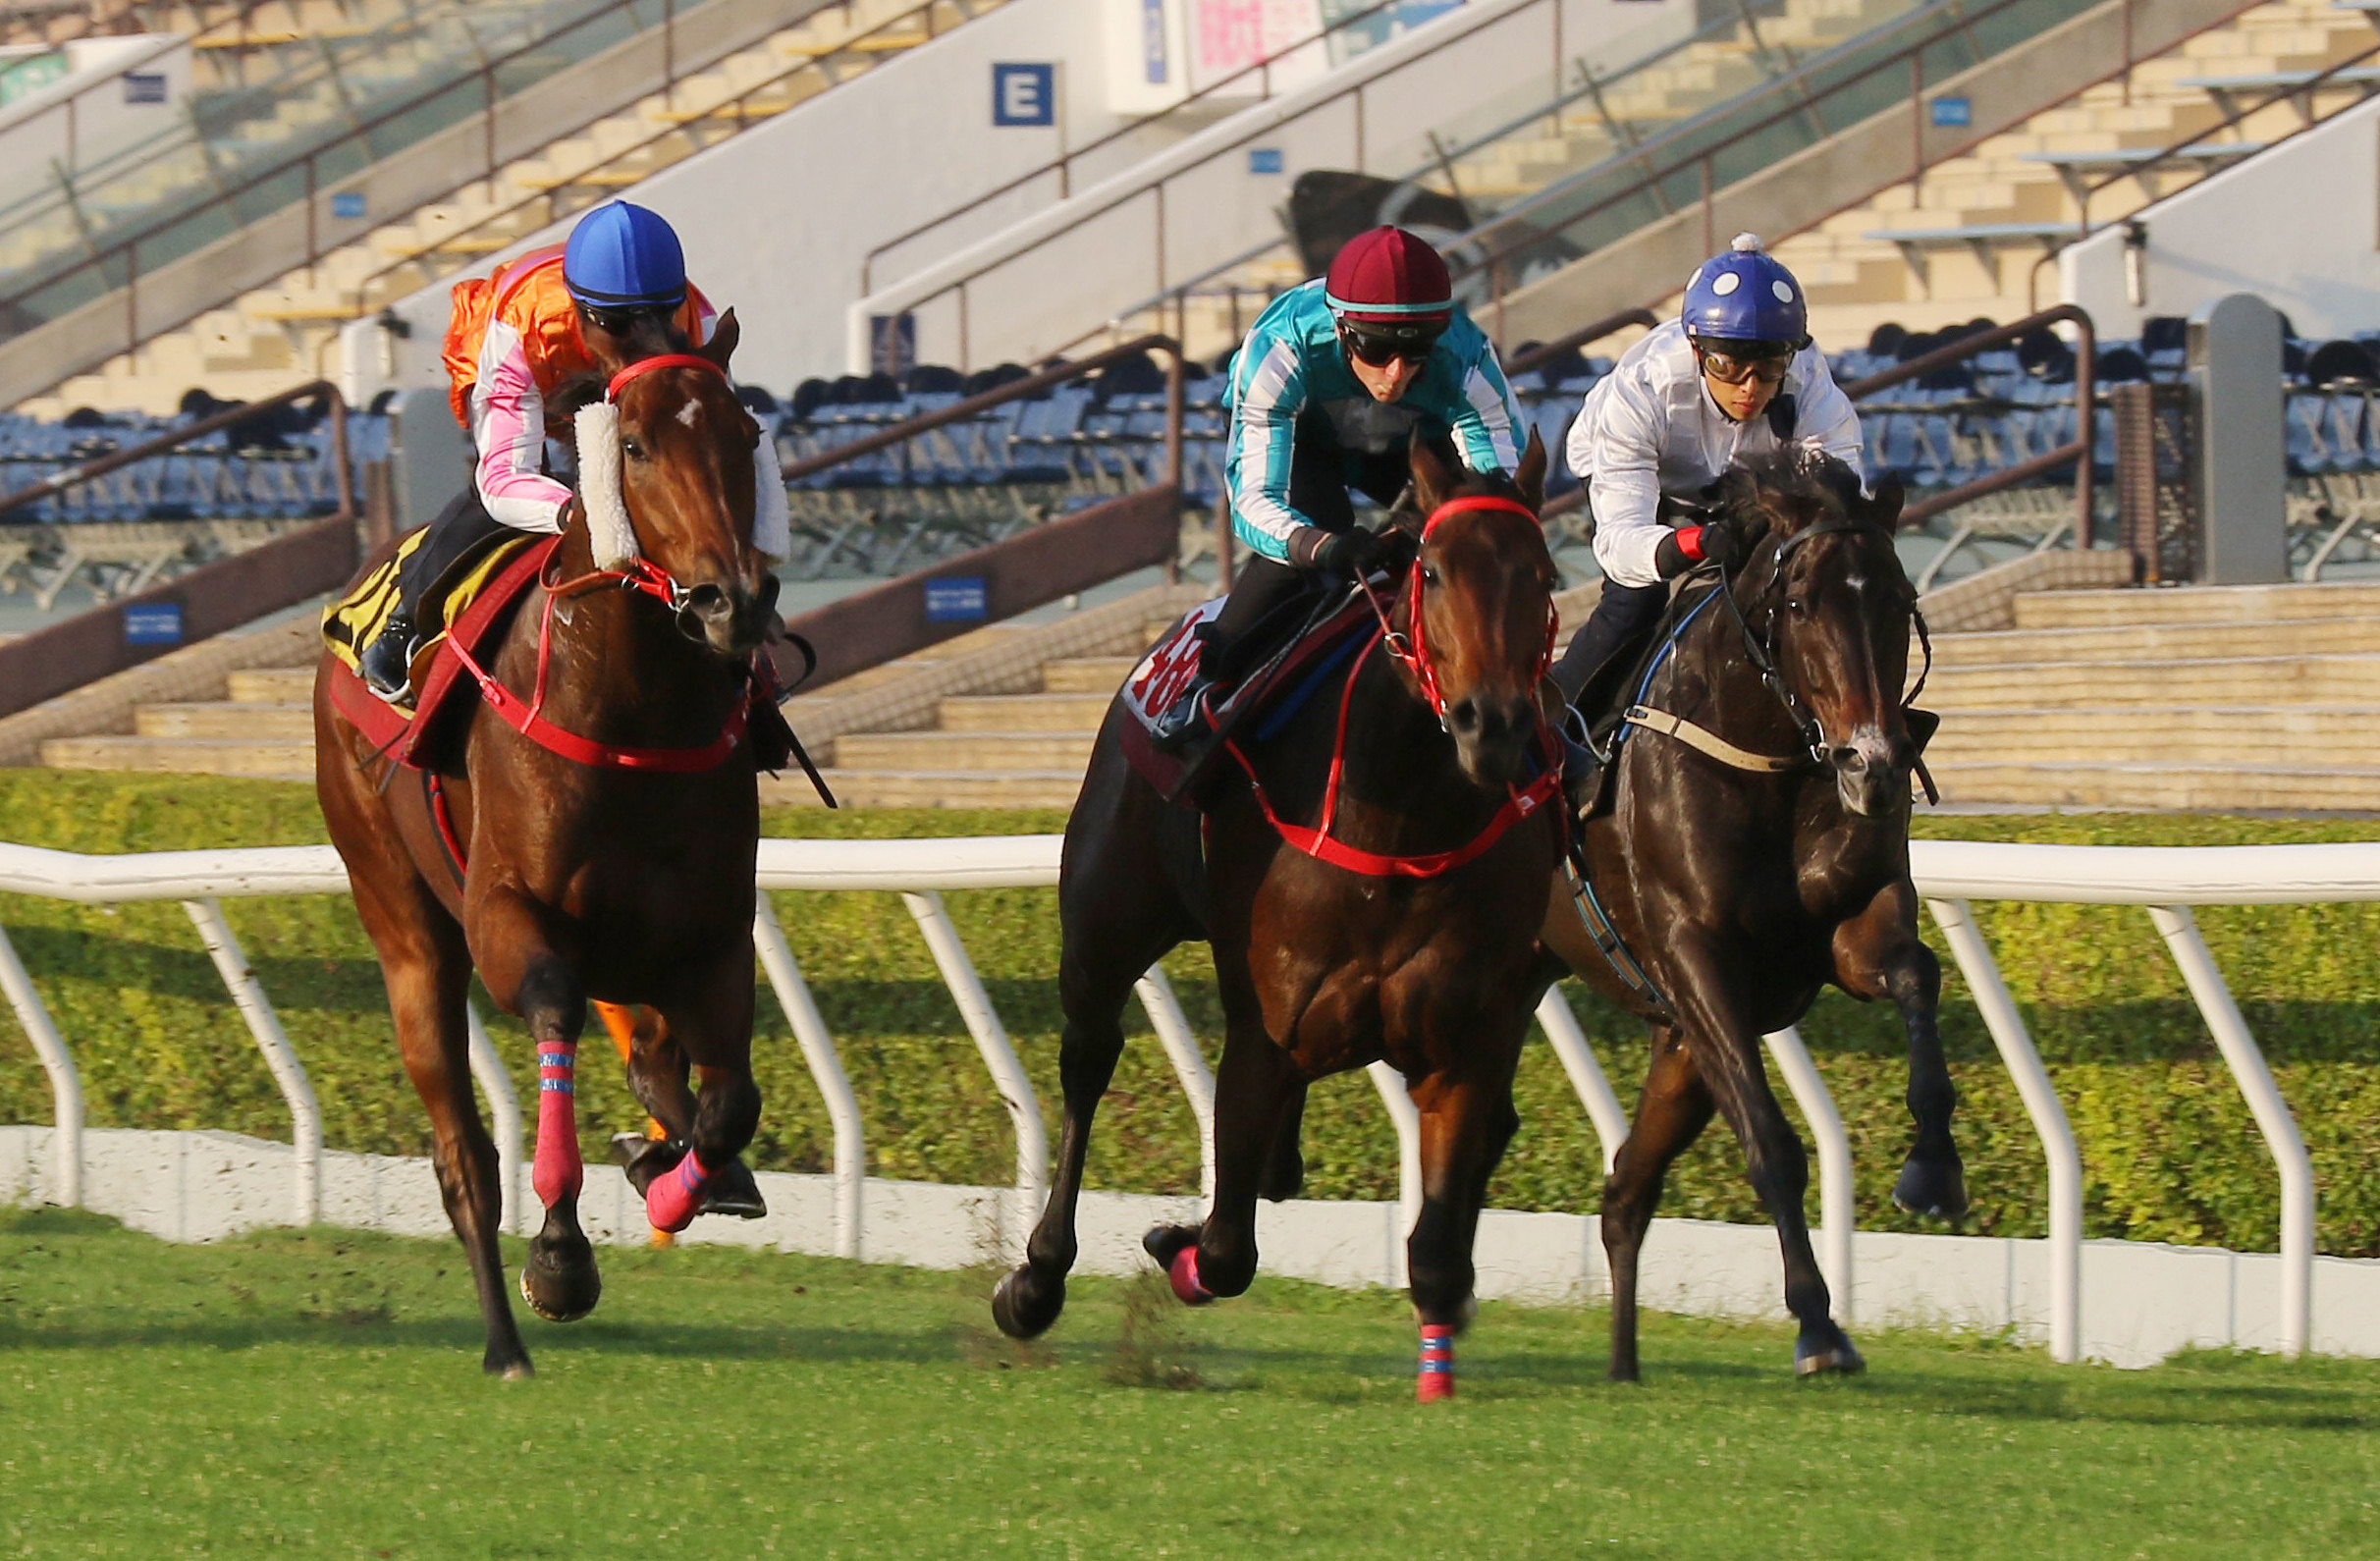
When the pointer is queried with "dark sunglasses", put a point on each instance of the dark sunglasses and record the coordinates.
(1380, 349)
(1729, 369)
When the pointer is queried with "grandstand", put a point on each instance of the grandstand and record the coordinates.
(2036, 132)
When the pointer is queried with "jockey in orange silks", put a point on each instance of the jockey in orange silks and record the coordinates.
(518, 358)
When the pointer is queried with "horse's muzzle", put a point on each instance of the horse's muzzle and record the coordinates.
(1490, 736)
(1871, 772)
(732, 621)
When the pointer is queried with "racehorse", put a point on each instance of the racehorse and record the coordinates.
(596, 840)
(1756, 848)
(1399, 923)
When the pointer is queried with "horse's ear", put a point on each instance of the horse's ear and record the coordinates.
(1531, 475)
(724, 337)
(1436, 471)
(1884, 505)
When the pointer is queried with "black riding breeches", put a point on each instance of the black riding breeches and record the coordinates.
(1621, 614)
(1319, 474)
(457, 533)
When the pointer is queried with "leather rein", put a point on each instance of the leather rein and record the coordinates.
(1760, 651)
(1411, 649)
(645, 577)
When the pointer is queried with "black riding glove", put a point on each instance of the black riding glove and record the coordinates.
(1717, 542)
(1339, 554)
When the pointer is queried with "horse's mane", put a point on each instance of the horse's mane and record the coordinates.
(1785, 490)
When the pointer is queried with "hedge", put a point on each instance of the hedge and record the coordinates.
(2169, 1151)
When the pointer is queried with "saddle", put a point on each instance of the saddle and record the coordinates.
(1306, 639)
(474, 609)
(1611, 687)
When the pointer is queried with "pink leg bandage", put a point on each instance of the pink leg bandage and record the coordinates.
(558, 1172)
(1437, 1381)
(674, 1199)
(1183, 1273)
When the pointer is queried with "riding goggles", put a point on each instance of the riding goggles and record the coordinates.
(1379, 346)
(1730, 369)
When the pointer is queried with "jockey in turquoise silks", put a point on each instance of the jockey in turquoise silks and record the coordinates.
(1325, 393)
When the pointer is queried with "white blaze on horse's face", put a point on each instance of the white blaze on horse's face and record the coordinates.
(691, 480)
(1844, 635)
(1486, 589)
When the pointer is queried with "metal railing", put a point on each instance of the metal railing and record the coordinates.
(474, 91)
(2080, 451)
(1063, 165)
(214, 597)
(1685, 166)
(2166, 880)
(734, 110)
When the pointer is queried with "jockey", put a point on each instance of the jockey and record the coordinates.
(1326, 393)
(1734, 375)
(514, 339)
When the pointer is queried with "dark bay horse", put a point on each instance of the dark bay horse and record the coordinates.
(1742, 882)
(1409, 935)
(613, 861)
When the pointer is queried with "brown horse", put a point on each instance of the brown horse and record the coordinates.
(1400, 923)
(613, 861)
(1744, 881)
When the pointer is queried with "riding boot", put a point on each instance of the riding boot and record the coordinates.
(1261, 586)
(1621, 613)
(387, 662)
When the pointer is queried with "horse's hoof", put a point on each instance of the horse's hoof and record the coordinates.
(645, 1160)
(1023, 1305)
(1164, 1240)
(561, 1292)
(1841, 1357)
(1934, 1188)
(731, 1189)
(519, 1371)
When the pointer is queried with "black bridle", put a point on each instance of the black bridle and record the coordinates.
(1761, 649)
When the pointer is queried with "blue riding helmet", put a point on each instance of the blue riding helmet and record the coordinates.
(1746, 296)
(625, 257)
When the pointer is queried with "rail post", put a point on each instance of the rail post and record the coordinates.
(1837, 1206)
(826, 1071)
(1407, 1118)
(66, 1085)
(305, 1117)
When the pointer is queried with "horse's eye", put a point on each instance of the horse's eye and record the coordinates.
(1429, 576)
(633, 448)
(1796, 604)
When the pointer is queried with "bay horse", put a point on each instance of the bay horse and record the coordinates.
(1396, 919)
(603, 847)
(1756, 849)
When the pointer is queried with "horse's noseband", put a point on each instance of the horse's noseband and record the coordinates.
(1411, 647)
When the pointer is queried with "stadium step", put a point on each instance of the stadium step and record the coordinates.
(233, 719)
(2158, 684)
(2224, 604)
(2227, 786)
(2154, 641)
(278, 760)
(2300, 735)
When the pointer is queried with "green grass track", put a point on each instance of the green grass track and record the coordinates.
(318, 1395)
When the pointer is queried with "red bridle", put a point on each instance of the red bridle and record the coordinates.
(646, 365)
(1412, 647)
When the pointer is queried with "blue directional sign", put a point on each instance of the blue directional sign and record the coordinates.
(157, 623)
(957, 599)
(1951, 112)
(346, 205)
(1024, 94)
(1263, 159)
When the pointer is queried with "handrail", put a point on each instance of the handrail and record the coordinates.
(925, 7)
(217, 596)
(1062, 163)
(2079, 450)
(1909, 56)
(123, 251)
(101, 465)
(2280, 96)
(1547, 352)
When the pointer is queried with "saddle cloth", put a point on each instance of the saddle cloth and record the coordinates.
(474, 612)
(357, 619)
(1277, 688)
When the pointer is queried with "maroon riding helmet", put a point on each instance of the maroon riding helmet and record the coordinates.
(1389, 291)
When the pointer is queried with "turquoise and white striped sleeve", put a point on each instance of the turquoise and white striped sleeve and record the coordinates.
(1269, 389)
(1489, 424)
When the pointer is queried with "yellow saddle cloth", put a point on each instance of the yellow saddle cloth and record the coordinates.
(353, 621)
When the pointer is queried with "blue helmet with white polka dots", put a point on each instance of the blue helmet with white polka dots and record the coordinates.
(1745, 296)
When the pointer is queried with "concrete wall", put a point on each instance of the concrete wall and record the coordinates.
(2221, 236)
(83, 120)
(1041, 285)
(2140, 1301)
(780, 220)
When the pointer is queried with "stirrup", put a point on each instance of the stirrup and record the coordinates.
(386, 665)
(1181, 726)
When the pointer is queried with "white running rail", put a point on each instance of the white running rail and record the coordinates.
(1949, 874)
